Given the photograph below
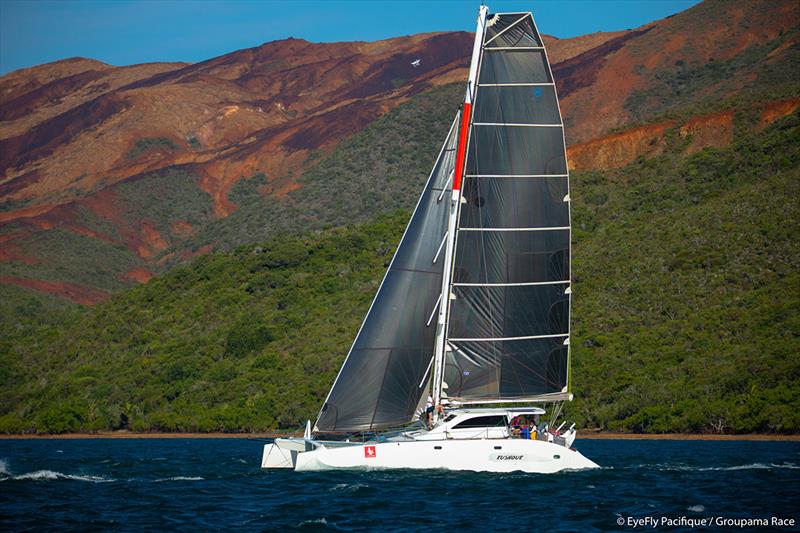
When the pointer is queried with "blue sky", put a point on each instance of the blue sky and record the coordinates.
(124, 32)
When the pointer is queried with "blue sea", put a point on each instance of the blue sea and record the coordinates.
(216, 484)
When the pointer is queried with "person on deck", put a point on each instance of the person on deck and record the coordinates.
(429, 412)
(525, 430)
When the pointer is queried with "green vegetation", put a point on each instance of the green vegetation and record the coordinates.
(687, 293)
(162, 198)
(157, 200)
(246, 191)
(65, 255)
(687, 298)
(194, 142)
(11, 204)
(240, 341)
(148, 144)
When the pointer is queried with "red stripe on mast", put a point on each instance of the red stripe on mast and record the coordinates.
(462, 147)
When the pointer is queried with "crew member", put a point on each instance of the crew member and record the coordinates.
(429, 412)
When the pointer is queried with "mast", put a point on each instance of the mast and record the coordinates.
(458, 175)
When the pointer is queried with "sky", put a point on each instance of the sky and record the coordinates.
(124, 32)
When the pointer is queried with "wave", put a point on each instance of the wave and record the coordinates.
(696, 508)
(180, 478)
(348, 487)
(687, 468)
(49, 475)
(321, 521)
(4, 471)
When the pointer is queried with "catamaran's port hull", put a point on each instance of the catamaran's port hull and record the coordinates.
(489, 455)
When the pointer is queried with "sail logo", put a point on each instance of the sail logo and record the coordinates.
(369, 452)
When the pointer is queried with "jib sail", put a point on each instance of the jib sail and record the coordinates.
(385, 373)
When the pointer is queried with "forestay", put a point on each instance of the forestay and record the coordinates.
(386, 371)
(508, 323)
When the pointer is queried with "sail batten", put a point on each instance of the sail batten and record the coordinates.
(508, 325)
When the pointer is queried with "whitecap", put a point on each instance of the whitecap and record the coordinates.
(4, 471)
(180, 478)
(752, 466)
(347, 487)
(49, 475)
(696, 508)
(311, 522)
(687, 468)
(789, 466)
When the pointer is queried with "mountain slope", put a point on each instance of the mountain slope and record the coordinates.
(703, 56)
(84, 144)
(687, 299)
(685, 136)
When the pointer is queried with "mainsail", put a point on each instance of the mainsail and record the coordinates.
(487, 250)
(384, 375)
(508, 324)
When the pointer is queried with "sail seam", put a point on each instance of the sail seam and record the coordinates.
(517, 176)
(553, 228)
(514, 48)
(514, 124)
(523, 338)
(519, 284)
(518, 84)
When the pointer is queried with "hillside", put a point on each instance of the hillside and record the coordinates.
(687, 298)
(83, 145)
(192, 247)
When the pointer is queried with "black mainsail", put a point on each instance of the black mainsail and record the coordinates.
(508, 326)
(487, 248)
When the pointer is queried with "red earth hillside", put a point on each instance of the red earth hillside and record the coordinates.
(77, 134)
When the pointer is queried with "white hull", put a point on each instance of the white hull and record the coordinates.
(479, 455)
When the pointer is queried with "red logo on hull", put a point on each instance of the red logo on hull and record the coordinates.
(369, 451)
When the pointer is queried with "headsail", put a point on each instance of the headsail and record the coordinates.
(508, 323)
(385, 373)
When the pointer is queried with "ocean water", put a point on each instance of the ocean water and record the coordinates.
(216, 484)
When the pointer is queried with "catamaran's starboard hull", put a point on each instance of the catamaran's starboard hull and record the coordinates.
(490, 455)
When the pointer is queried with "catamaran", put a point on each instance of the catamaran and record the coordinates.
(474, 310)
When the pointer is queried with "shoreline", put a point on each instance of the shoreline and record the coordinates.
(133, 435)
(687, 436)
(272, 435)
